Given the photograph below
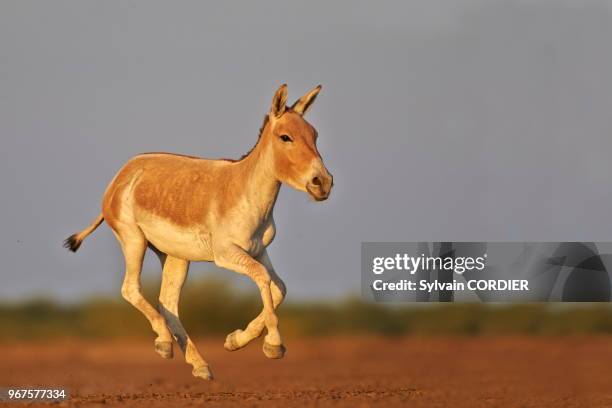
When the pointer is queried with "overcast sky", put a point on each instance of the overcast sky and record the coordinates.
(440, 120)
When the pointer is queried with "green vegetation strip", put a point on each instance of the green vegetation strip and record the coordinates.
(212, 308)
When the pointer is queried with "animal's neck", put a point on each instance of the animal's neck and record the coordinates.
(261, 187)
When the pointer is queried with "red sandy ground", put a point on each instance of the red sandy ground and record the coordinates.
(340, 372)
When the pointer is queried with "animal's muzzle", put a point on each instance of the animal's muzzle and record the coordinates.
(319, 187)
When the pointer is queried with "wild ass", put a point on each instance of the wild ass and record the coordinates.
(192, 209)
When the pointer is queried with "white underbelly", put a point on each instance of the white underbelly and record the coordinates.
(185, 243)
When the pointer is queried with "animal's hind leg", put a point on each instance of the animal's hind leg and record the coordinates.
(134, 244)
(240, 338)
(173, 278)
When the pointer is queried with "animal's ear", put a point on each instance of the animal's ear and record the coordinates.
(301, 105)
(279, 102)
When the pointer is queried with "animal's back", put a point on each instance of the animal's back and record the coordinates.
(176, 188)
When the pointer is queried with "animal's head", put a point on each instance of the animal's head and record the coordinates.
(293, 141)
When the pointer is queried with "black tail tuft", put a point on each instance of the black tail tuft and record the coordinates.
(72, 243)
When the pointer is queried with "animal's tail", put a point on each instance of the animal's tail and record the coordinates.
(73, 242)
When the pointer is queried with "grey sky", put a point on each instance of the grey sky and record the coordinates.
(440, 120)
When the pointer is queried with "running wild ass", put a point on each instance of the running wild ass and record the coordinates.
(192, 209)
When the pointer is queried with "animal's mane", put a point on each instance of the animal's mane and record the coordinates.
(261, 130)
(187, 156)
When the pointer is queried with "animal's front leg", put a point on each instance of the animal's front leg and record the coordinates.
(235, 258)
(240, 338)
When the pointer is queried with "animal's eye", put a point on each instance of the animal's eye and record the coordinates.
(285, 138)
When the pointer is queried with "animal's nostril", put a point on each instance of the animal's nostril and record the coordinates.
(316, 181)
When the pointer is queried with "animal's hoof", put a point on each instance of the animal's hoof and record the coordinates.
(202, 372)
(231, 341)
(164, 348)
(272, 351)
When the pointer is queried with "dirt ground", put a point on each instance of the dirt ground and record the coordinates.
(341, 372)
